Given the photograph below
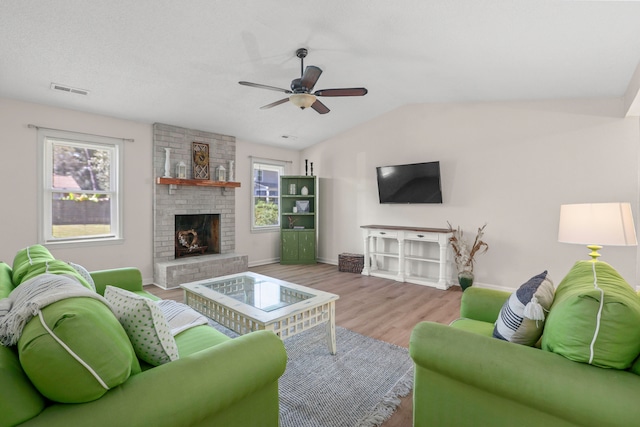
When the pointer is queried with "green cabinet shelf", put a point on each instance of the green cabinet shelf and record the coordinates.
(298, 219)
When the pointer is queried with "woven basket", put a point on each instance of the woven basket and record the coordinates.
(351, 263)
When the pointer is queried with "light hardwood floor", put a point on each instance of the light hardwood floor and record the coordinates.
(375, 307)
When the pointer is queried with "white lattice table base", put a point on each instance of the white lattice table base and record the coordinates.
(243, 318)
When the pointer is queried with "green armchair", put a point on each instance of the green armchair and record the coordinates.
(465, 377)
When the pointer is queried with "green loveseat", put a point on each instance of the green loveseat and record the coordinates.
(216, 381)
(465, 377)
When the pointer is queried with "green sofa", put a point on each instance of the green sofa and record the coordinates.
(216, 380)
(465, 377)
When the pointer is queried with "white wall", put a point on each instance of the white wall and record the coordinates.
(19, 216)
(508, 164)
(261, 247)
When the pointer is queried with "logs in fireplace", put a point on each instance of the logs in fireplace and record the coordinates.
(197, 234)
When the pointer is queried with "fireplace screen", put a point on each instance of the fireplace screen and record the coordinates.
(197, 234)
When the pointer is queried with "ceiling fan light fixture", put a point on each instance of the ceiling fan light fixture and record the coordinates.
(302, 100)
(302, 94)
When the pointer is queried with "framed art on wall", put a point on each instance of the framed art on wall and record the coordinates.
(200, 160)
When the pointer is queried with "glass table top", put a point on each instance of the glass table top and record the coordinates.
(262, 294)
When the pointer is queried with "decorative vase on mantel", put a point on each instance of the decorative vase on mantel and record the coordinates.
(465, 279)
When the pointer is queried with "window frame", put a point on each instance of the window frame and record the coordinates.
(280, 167)
(46, 140)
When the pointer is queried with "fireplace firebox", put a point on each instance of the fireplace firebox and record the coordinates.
(197, 234)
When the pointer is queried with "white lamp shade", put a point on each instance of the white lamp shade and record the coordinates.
(605, 224)
(302, 100)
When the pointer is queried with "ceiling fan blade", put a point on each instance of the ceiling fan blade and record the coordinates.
(354, 91)
(310, 77)
(320, 107)
(277, 89)
(273, 104)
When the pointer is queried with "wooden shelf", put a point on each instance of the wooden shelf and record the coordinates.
(196, 182)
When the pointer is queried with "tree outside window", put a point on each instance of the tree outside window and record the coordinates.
(265, 194)
(80, 188)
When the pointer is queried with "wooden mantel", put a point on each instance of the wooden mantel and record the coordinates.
(196, 182)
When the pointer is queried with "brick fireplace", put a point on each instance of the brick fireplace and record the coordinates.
(194, 206)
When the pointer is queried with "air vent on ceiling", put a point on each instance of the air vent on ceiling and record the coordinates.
(64, 88)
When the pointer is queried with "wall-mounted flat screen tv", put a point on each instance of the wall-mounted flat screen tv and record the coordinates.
(412, 183)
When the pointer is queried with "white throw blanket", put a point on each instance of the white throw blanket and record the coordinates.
(29, 297)
(180, 317)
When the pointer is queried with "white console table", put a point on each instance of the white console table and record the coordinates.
(408, 254)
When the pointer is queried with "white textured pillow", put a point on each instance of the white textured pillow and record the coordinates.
(180, 317)
(145, 325)
(521, 318)
(84, 273)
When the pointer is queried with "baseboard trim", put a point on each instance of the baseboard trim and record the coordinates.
(277, 260)
(328, 261)
(494, 287)
(264, 262)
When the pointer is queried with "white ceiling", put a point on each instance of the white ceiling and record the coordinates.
(179, 62)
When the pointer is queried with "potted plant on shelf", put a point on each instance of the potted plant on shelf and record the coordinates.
(464, 254)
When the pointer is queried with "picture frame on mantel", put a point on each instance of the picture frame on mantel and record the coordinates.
(200, 156)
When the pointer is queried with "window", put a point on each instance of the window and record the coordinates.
(265, 194)
(80, 188)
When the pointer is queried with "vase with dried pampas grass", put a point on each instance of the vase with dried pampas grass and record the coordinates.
(464, 254)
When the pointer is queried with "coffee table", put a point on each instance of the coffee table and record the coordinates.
(247, 302)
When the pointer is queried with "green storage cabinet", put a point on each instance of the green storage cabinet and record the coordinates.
(298, 219)
(298, 247)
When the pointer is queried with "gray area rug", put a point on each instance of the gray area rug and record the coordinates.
(360, 386)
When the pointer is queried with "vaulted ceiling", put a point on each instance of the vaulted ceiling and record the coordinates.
(179, 62)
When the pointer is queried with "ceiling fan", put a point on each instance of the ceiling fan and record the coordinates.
(301, 88)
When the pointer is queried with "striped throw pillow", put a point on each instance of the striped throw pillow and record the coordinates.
(522, 316)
